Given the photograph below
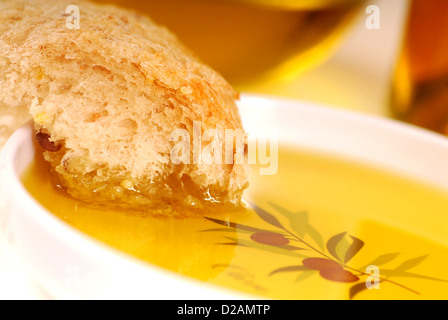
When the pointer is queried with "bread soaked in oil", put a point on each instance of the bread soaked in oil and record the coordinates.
(108, 97)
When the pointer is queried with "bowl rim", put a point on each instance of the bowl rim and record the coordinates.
(410, 143)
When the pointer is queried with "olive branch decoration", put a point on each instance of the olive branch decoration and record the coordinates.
(329, 260)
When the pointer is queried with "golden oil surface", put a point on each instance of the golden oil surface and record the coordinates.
(319, 222)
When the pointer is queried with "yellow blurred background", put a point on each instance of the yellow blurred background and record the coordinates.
(313, 50)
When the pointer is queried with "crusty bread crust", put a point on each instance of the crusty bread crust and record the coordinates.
(111, 93)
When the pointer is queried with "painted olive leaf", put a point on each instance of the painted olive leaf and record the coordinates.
(266, 216)
(353, 250)
(300, 224)
(305, 275)
(290, 247)
(316, 236)
(288, 269)
(383, 259)
(356, 289)
(403, 274)
(298, 221)
(266, 247)
(238, 226)
(233, 230)
(339, 247)
(333, 243)
(285, 212)
(412, 263)
(342, 248)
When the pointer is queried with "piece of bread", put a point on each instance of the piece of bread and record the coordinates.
(105, 99)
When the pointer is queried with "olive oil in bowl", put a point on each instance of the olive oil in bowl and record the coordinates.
(309, 232)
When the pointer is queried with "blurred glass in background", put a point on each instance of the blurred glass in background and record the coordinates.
(420, 87)
(254, 41)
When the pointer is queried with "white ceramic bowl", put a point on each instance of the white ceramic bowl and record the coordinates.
(69, 264)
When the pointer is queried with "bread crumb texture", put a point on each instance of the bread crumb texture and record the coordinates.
(111, 93)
